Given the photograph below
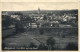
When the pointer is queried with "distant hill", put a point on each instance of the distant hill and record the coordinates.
(75, 11)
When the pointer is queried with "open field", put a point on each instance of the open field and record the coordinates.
(33, 36)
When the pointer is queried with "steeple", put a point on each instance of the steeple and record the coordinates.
(38, 10)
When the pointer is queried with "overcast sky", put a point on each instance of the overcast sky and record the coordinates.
(25, 6)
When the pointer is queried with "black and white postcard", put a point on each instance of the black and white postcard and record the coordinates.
(39, 26)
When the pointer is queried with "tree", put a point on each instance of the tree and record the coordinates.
(27, 19)
(6, 21)
(45, 17)
(19, 23)
(19, 27)
(50, 43)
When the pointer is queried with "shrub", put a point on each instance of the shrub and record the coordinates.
(42, 47)
(71, 46)
(32, 45)
(50, 42)
(41, 31)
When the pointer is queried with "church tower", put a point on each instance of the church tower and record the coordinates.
(38, 10)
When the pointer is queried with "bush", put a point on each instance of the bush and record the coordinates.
(41, 31)
(42, 47)
(71, 46)
(50, 42)
(32, 45)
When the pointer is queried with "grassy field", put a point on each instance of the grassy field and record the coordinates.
(8, 32)
(33, 36)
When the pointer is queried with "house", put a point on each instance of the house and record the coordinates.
(65, 26)
(33, 25)
(4, 13)
(17, 17)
